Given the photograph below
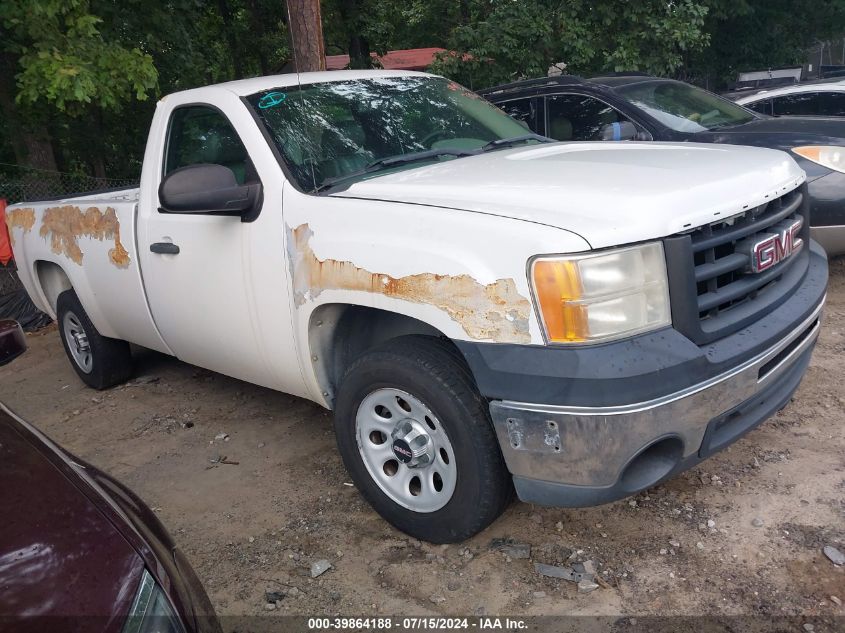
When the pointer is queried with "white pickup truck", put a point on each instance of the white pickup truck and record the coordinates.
(484, 310)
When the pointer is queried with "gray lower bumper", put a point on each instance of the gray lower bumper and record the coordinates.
(572, 456)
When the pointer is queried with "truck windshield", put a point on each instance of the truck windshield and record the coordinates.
(684, 108)
(326, 131)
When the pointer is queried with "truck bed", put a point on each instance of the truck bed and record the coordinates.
(99, 195)
(88, 242)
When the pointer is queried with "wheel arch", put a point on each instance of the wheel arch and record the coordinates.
(338, 333)
(52, 281)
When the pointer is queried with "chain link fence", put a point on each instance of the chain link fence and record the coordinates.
(19, 184)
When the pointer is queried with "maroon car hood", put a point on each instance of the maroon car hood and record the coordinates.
(59, 554)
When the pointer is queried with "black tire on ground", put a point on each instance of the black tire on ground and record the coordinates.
(110, 359)
(433, 372)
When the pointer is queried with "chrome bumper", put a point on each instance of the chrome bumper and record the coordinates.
(583, 446)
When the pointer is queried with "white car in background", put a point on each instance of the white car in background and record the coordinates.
(825, 97)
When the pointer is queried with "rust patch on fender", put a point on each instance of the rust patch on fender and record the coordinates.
(65, 225)
(495, 311)
(23, 218)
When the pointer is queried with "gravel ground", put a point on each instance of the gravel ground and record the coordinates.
(742, 534)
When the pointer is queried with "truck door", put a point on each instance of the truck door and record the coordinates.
(197, 266)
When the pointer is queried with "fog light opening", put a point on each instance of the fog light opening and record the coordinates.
(652, 464)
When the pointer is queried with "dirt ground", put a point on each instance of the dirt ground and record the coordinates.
(742, 534)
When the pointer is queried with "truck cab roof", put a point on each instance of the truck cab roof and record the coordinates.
(245, 87)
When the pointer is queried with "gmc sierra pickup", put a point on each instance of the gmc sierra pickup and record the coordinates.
(484, 310)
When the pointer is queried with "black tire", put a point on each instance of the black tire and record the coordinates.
(431, 371)
(110, 359)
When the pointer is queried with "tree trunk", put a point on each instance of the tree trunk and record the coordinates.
(38, 148)
(359, 53)
(31, 142)
(358, 47)
(258, 28)
(234, 55)
(306, 32)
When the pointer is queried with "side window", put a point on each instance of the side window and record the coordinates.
(832, 104)
(579, 118)
(523, 110)
(763, 107)
(803, 104)
(201, 134)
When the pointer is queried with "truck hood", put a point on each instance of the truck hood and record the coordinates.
(608, 193)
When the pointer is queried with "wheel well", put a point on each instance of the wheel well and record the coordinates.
(339, 333)
(53, 281)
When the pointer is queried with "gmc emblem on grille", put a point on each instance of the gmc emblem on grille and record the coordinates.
(767, 249)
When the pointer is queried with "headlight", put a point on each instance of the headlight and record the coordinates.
(602, 296)
(151, 611)
(830, 156)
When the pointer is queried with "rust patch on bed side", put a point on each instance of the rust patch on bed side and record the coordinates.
(23, 218)
(65, 225)
(495, 311)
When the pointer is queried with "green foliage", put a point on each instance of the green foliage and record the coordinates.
(759, 34)
(82, 71)
(62, 57)
(505, 40)
(390, 24)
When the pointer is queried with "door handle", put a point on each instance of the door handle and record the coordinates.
(164, 248)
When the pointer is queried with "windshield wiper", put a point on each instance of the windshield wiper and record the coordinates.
(427, 154)
(516, 140)
(727, 124)
(393, 161)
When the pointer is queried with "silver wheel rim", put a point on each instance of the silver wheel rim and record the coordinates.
(406, 450)
(77, 342)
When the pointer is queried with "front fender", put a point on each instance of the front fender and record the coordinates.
(462, 273)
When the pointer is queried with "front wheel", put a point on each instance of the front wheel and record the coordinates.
(417, 440)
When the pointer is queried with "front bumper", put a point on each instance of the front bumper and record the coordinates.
(565, 455)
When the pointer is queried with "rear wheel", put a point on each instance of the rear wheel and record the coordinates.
(417, 440)
(100, 362)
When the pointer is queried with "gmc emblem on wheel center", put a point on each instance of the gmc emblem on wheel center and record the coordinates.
(767, 249)
(402, 451)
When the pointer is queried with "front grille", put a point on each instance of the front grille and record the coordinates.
(713, 289)
(722, 277)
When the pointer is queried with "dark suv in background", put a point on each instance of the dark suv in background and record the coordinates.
(644, 108)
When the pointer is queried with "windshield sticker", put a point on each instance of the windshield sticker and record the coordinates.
(271, 100)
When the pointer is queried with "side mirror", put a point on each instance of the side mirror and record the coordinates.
(623, 131)
(206, 188)
(12, 341)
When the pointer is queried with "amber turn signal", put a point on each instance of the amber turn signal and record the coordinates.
(556, 283)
